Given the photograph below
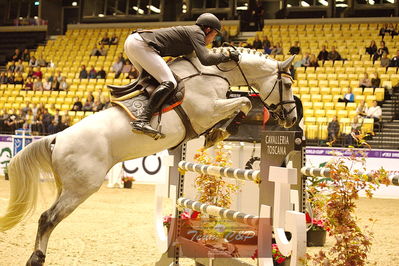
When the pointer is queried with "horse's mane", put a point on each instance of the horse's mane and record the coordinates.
(242, 51)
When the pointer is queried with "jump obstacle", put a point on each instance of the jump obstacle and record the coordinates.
(282, 159)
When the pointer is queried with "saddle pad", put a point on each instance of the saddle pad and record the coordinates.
(135, 104)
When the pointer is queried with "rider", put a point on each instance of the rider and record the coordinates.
(146, 48)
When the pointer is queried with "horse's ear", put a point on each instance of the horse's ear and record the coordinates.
(287, 63)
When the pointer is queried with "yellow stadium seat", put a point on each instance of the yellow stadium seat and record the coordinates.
(340, 106)
(333, 83)
(305, 97)
(351, 106)
(315, 97)
(307, 105)
(329, 105)
(331, 113)
(342, 114)
(359, 98)
(313, 83)
(370, 98)
(319, 113)
(325, 90)
(368, 125)
(318, 105)
(344, 83)
(314, 90)
(368, 91)
(379, 93)
(308, 113)
(310, 120)
(311, 131)
(302, 83)
(391, 70)
(323, 83)
(357, 91)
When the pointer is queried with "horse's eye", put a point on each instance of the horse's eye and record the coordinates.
(288, 85)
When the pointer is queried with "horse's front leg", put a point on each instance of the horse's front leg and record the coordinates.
(233, 109)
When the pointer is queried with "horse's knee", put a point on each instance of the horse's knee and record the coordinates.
(246, 106)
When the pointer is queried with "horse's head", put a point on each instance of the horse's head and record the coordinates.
(277, 94)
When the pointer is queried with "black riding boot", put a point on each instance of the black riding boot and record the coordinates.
(157, 99)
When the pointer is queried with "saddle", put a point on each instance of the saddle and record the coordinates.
(133, 97)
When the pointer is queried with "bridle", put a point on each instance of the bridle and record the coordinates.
(276, 112)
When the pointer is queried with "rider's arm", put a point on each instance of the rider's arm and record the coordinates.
(206, 58)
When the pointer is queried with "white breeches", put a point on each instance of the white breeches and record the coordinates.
(143, 56)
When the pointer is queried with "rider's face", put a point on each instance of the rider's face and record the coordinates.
(210, 36)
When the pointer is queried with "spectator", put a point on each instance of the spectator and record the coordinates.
(371, 49)
(30, 72)
(295, 49)
(277, 49)
(392, 30)
(334, 55)
(305, 62)
(323, 54)
(266, 45)
(90, 96)
(105, 40)
(313, 61)
(19, 78)
(349, 97)
(47, 84)
(385, 62)
(46, 119)
(374, 112)
(55, 85)
(19, 67)
(101, 74)
(63, 84)
(117, 67)
(65, 122)
(257, 44)
(380, 51)
(106, 102)
(38, 73)
(361, 109)
(395, 60)
(127, 67)
(375, 80)
(3, 78)
(101, 51)
(92, 73)
(26, 55)
(14, 121)
(133, 73)
(114, 40)
(59, 76)
(16, 56)
(33, 62)
(258, 14)
(333, 129)
(383, 31)
(37, 84)
(10, 77)
(77, 105)
(11, 67)
(83, 73)
(28, 84)
(365, 82)
(88, 106)
(97, 105)
(356, 127)
(41, 62)
(52, 110)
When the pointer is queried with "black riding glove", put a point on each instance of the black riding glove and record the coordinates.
(234, 55)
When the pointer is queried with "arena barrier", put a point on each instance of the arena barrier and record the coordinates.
(281, 161)
(326, 172)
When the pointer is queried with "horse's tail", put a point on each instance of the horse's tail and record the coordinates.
(25, 171)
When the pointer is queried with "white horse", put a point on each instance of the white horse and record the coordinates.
(79, 157)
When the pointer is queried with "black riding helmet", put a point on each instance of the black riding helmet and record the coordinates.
(209, 20)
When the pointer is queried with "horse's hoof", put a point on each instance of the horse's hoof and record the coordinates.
(36, 259)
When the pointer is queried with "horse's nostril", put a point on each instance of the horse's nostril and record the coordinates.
(293, 120)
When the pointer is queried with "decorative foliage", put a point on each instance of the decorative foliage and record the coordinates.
(127, 179)
(352, 243)
(213, 189)
(277, 256)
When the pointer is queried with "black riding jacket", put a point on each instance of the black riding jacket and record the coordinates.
(182, 40)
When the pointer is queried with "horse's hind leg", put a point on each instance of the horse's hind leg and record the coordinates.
(62, 207)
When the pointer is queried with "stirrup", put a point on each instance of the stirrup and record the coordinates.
(146, 129)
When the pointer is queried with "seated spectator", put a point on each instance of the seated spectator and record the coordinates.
(305, 62)
(59, 76)
(47, 84)
(117, 67)
(380, 51)
(52, 110)
(353, 136)
(385, 62)
(375, 80)
(371, 49)
(37, 84)
(114, 40)
(374, 111)
(365, 82)
(46, 119)
(121, 58)
(266, 45)
(14, 121)
(392, 30)
(99, 51)
(90, 97)
(105, 40)
(30, 72)
(63, 84)
(334, 55)
(77, 105)
(277, 49)
(28, 84)
(92, 73)
(3, 78)
(10, 77)
(65, 122)
(11, 67)
(349, 97)
(257, 43)
(106, 102)
(38, 73)
(295, 49)
(19, 79)
(133, 74)
(127, 67)
(41, 62)
(83, 73)
(19, 67)
(323, 54)
(26, 55)
(395, 60)
(33, 62)
(313, 61)
(97, 105)
(101, 74)
(55, 85)
(333, 129)
(16, 56)
(88, 106)
(383, 31)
